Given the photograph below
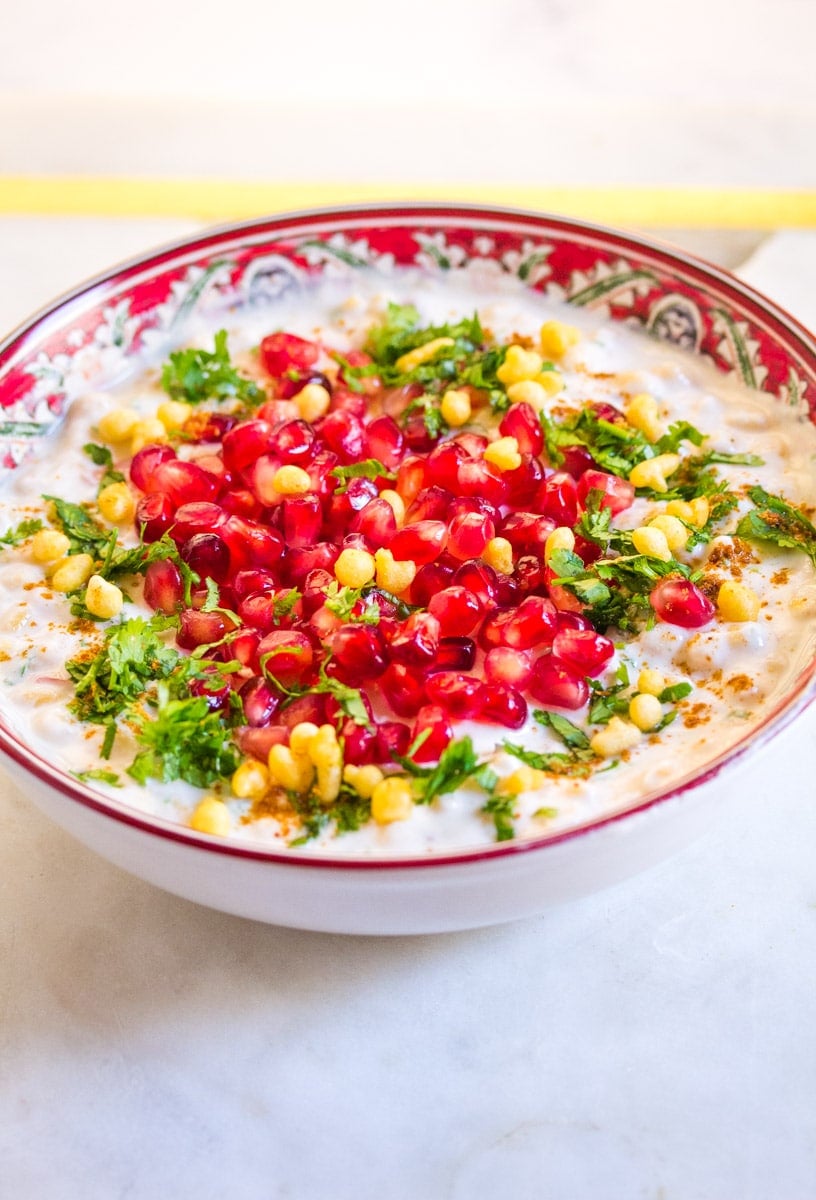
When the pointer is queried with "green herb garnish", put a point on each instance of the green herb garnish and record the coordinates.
(194, 376)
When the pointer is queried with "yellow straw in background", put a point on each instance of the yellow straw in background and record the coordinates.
(222, 200)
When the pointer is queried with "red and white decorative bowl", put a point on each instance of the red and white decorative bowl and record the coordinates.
(87, 337)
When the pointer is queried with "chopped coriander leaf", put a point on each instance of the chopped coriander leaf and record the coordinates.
(136, 561)
(573, 738)
(185, 740)
(369, 468)
(774, 520)
(343, 600)
(100, 775)
(85, 534)
(502, 810)
(556, 763)
(194, 376)
(102, 456)
(679, 432)
(675, 692)
(616, 446)
(22, 532)
(130, 660)
(457, 764)
(606, 703)
(349, 813)
(615, 591)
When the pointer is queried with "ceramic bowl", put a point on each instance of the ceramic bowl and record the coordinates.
(88, 336)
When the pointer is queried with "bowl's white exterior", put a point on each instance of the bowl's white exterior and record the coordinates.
(483, 889)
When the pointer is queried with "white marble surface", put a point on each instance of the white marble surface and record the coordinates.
(653, 1042)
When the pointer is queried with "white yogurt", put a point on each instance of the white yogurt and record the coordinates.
(738, 670)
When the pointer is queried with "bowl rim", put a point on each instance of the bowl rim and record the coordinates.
(788, 707)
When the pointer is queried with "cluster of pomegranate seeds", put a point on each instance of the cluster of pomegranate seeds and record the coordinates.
(262, 509)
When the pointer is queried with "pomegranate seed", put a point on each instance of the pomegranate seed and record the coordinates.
(260, 478)
(586, 651)
(359, 743)
(146, 461)
(346, 401)
(429, 580)
(358, 653)
(199, 628)
(163, 588)
(393, 738)
(314, 591)
(534, 623)
(282, 352)
(258, 742)
(285, 655)
(208, 555)
(246, 443)
(473, 444)
(555, 684)
(527, 532)
(503, 705)
(571, 620)
(680, 602)
(607, 412)
(478, 478)
(558, 499)
(431, 504)
(421, 542)
(456, 609)
(294, 442)
(459, 695)
(417, 435)
(468, 534)
(575, 460)
(411, 477)
(525, 481)
(442, 464)
(302, 520)
(343, 433)
(312, 707)
(377, 523)
(320, 475)
(323, 623)
(403, 690)
(480, 579)
(259, 701)
(242, 503)
(455, 654)
(301, 560)
(507, 666)
(258, 610)
(184, 481)
(198, 517)
(251, 580)
(213, 464)
(243, 647)
(521, 422)
(529, 574)
(618, 493)
(213, 687)
(154, 516)
(417, 641)
(251, 544)
(385, 442)
(431, 721)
